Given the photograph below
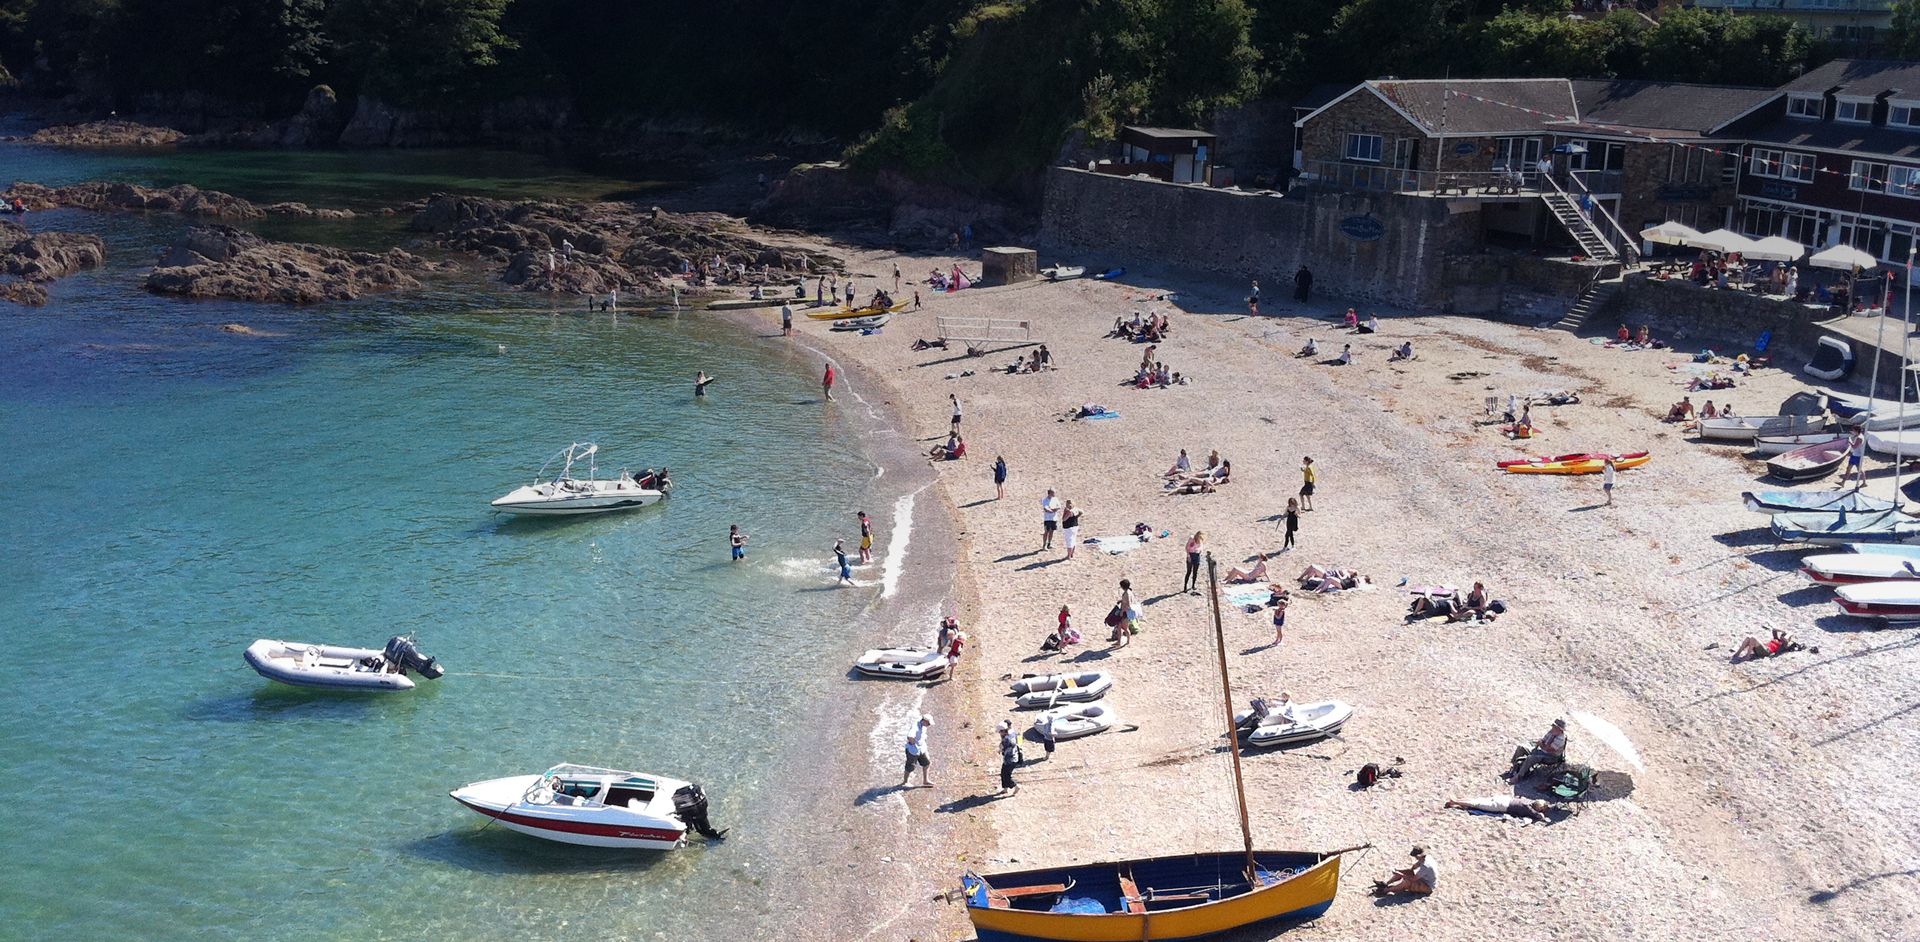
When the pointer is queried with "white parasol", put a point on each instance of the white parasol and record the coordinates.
(1669, 233)
(1610, 735)
(1724, 241)
(1776, 249)
(1843, 257)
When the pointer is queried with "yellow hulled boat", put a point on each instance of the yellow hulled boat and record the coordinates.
(842, 313)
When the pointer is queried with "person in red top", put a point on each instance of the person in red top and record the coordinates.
(1755, 649)
(826, 383)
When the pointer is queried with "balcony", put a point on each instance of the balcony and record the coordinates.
(1374, 178)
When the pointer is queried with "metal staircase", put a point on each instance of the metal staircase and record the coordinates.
(1592, 243)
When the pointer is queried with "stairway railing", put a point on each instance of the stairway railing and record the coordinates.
(1628, 250)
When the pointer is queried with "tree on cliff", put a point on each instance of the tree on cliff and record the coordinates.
(419, 51)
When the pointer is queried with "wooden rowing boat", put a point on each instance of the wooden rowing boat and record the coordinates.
(843, 313)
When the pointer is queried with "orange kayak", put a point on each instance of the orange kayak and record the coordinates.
(1578, 465)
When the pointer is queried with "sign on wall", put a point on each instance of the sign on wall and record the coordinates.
(1362, 228)
(1465, 148)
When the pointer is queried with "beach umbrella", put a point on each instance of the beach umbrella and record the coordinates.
(1843, 257)
(1669, 233)
(1609, 735)
(1776, 249)
(1724, 241)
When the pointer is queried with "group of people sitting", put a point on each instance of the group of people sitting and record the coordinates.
(1369, 326)
(1476, 605)
(1682, 411)
(1644, 338)
(1040, 359)
(763, 292)
(1063, 637)
(1332, 579)
(1183, 479)
(953, 449)
(1150, 329)
(1156, 375)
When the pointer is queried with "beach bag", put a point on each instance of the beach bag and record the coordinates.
(1497, 607)
(1369, 775)
(1115, 617)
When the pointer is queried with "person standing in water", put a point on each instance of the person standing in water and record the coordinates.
(999, 478)
(866, 538)
(846, 568)
(1308, 477)
(701, 381)
(826, 382)
(738, 541)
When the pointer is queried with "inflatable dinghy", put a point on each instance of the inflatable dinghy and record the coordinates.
(1075, 722)
(1832, 360)
(1310, 721)
(338, 668)
(1050, 689)
(902, 663)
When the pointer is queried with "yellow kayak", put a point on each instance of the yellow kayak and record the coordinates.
(840, 314)
(1581, 465)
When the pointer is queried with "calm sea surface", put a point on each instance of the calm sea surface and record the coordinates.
(176, 491)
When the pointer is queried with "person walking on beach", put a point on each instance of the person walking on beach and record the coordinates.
(826, 382)
(955, 427)
(738, 541)
(1302, 284)
(786, 320)
(820, 292)
(1253, 300)
(1856, 456)
(999, 478)
(1049, 519)
(1307, 478)
(1606, 479)
(866, 538)
(1290, 520)
(1070, 527)
(896, 277)
(701, 381)
(1195, 547)
(1009, 757)
(917, 752)
(916, 299)
(840, 555)
(1125, 617)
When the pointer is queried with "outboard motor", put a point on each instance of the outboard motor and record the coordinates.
(690, 803)
(403, 654)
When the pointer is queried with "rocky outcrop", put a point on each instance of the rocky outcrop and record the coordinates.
(29, 260)
(832, 196)
(303, 211)
(106, 134)
(520, 121)
(183, 198)
(224, 262)
(592, 248)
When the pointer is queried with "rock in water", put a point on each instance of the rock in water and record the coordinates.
(37, 258)
(225, 262)
(181, 198)
(106, 134)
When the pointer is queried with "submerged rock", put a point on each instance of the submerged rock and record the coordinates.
(106, 134)
(612, 245)
(225, 262)
(183, 198)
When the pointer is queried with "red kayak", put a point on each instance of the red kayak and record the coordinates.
(1582, 456)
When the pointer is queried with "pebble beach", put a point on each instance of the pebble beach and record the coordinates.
(1760, 806)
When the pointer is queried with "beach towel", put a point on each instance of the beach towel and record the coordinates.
(1102, 415)
(1249, 595)
(1115, 544)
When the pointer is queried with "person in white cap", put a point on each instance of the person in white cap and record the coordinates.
(917, 752)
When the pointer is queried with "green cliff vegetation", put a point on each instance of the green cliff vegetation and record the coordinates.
(977, 93)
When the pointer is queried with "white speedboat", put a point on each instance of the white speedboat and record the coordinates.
(565, 494)
(902, 663)
(335, 667)
(1304, 723)
(579, 804)
(1849, 568)
(1046, 690)
(1076, 721)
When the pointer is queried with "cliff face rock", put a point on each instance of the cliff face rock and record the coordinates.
(377, 123)
(224, 262)
(29, 260)
(106, 134)
(830, 195)
(613, 245)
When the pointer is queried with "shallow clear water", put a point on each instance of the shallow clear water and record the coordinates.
(176, 491)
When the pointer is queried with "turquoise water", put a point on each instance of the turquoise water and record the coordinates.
(177, 491)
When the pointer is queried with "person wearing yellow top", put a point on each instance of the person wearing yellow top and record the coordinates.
(1308, 475)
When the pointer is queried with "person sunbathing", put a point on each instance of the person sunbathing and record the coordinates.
(1255, 573)
(1404, 353)
(1708, 411)
(1645, 337)
(1346, 356)
(955, 447)
(1331, 579)
(1623, 335)
(1417, 879)
(1182, 466)
(1372, 326)
(1534, 809)
(1476, 606)
(1312, 349)
(1427, 606)
(1353, 319)
(1191, 486)
(1754, 649)
(1681, 411)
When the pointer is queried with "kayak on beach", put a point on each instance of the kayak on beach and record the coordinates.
(1583, 465)
(1577, 456)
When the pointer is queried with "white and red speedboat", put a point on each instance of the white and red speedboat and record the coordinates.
(1850, 568)
(579, 804)
(1893, 601)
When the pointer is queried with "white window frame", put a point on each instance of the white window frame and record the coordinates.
(1903, 182)
(1841, 105)
(1806, 107)
(1908, 109)
(1379, 144)
(1798, 168)
(1860, 177)
(1764, 162)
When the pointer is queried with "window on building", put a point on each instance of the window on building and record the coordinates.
(1899, 242)
(1797, 167)
(1853, 111)
(1904, 181)
(1363, 147)
(1762, 162)
(1760, 222)
(1903, 114)
(1804, 106)
(1868, 177)
(1806, 230)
